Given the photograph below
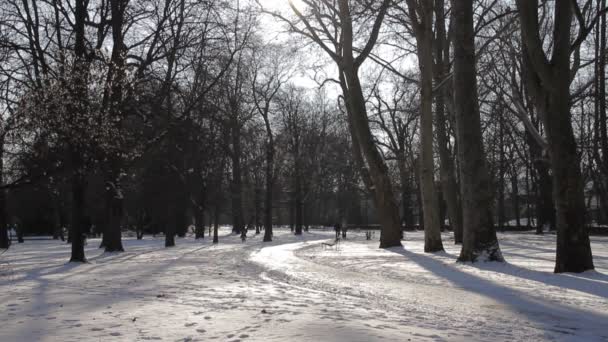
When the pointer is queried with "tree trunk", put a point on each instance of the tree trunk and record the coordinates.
(216, 223)
(78, 104)
(386, 205)
(76, 228)
(447, 171)
(423, 28)
(112, 236)
(553, 83)
(479, 235)
(573, 245)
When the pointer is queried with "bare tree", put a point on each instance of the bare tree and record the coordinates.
(479, 236)
(549, 79)
(421, 17)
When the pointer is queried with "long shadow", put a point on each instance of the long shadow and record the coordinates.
(547, 314)
(544, 250)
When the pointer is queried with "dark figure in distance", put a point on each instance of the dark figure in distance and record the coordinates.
(337, 228)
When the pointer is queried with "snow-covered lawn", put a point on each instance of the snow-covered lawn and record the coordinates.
(296, 289)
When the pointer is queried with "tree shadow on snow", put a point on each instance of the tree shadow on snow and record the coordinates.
(550, 315)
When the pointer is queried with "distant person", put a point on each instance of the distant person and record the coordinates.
(19, 232)
(344, 230)
(337, 228)
(244, 234)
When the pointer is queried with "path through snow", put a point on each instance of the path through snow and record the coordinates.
(294, 290)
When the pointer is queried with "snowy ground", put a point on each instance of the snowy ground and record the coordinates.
(294, 289)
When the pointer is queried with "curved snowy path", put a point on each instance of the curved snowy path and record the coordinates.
(294, 290)
(432, 293)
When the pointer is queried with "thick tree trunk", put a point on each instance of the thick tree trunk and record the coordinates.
(112, 236)
(573, 245)
(384, 198)
(76, 228)
(479, 235)
(78, 107)
(385, 202)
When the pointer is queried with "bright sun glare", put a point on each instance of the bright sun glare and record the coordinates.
(280, 5)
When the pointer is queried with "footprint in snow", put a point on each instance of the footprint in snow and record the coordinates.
(202, 331)
(190, 324)
(207, 317)
(115, 334)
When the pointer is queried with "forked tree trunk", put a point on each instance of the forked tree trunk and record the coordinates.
(447, 169)
(384, 198)
(421, 13)
(573, 253)
(479, 235)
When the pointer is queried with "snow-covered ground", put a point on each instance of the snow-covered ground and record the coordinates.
(297, 289)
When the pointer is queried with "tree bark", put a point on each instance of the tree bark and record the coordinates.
(421, 15)
(479, 235)
(573, 252)
(78, 108)
(447, 170)
(76, 228)
(384, 198)
(269, 184)
(112, 236)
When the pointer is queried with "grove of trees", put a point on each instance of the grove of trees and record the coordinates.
(160, 116)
